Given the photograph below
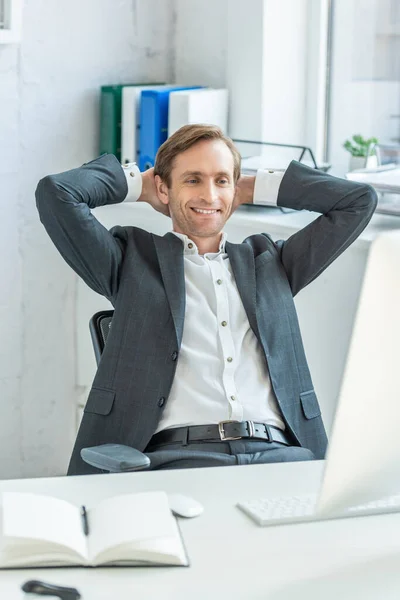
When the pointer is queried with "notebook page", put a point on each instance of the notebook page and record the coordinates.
(166, 551)
(42, 519)
(128, 518)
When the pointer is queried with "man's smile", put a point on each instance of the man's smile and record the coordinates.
(205, 211)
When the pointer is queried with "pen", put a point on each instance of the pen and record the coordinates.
(85, 522)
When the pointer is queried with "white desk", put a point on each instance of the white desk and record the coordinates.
(231, 557)
(383, 181)
(386, 183)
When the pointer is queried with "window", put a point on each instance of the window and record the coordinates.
(10, 21)
(365, 86)
(2, 14)
(376, 40)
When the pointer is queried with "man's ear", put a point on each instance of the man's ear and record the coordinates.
(162, 190)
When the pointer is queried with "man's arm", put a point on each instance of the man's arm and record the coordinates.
(346, 208)
(64, 202)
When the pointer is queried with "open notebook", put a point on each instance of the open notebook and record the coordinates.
(131, 529)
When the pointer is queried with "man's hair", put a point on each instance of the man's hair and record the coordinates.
(183, 139)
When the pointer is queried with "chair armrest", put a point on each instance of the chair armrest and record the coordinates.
(115, 458)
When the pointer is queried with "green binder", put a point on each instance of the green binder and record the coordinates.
(111, 117)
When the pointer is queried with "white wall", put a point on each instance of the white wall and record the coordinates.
(49, 122)
(200, 35)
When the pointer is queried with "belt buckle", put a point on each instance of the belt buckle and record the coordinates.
(222, 435)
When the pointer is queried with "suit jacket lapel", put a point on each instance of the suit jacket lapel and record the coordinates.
(170, 257)
(242, 261)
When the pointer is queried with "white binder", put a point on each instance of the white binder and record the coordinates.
(130, 121)
(205, 105)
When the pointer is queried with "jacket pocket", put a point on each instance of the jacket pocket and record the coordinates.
(100, 401)
(263, 258)
(309, 404)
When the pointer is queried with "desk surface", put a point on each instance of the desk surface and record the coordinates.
(387, 180)
(231, 557)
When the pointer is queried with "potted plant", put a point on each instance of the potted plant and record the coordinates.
(360, 149)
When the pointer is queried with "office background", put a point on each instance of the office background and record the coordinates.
(273, 58)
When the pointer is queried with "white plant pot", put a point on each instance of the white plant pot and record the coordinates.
(357, 162)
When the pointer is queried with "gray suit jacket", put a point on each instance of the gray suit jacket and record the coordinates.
(142, 274)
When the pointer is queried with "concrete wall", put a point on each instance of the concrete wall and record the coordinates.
(48, 123)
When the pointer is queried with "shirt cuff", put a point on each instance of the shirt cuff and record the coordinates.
(266, 187)
(134, 181)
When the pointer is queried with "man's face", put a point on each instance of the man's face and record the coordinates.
(202, 189)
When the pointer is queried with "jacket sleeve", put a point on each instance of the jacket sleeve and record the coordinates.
(64, 202)
(346, 208)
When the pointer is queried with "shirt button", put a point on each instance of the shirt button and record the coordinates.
(132, 174)
(190, 246)
(233, 398)
(224, 323)
(219, 281)
(208, 258)
(161, 402)
(174, 355)
(229, 359)
(270, 171)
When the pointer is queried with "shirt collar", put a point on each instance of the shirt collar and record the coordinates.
(191, 248)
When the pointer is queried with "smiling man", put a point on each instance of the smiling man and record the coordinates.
(198, 185)
(204, 364)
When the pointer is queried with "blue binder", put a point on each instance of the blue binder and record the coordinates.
(154, 122)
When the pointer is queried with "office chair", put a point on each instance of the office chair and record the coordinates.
(114, 458)
(99, 327)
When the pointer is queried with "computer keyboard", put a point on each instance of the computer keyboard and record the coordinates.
(298, 509)
(387, 504)
(280, 510)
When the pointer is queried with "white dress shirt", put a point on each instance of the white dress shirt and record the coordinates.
(221, 372)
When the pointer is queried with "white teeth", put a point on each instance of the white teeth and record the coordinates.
(205, 212)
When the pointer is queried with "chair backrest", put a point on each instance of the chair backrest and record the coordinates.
(99, 326)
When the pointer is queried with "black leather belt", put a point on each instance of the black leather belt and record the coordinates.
(224, 431)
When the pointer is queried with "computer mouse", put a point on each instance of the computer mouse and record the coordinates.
(184, 506)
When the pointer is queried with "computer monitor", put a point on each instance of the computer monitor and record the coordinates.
(363, 461)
